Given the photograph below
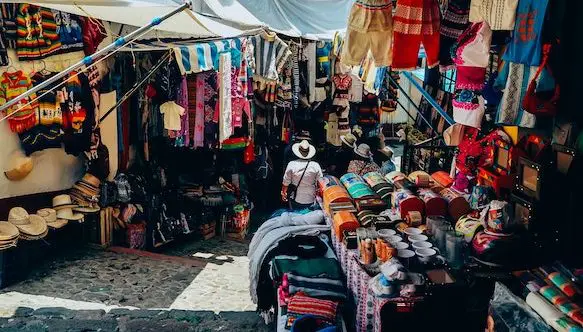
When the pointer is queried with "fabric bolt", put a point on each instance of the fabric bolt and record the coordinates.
(13, 85)
(303, 305)
(49, 102)
(454, 22)
(316, 286)
(415, 22)
(306, 190)
(172, 113)
(370, 26)
(68, 27)
(36, 30)
(270, 55)
(514, 79)
(78, 110)
(361, 167)
(499, 14)
(526, 44)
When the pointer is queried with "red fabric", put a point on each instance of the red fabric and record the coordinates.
(406, 50)
(416, 17)
(472, 78)
(304, 305)
(92, 35)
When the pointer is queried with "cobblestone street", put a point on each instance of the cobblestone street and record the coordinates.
(193, 286)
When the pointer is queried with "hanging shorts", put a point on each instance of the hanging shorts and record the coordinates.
(407, 50)
(370, 27)
(415, 22)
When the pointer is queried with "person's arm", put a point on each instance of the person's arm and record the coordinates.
(287, 177)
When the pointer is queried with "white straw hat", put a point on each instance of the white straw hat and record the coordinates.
(304, 150)
(27, 224)
(363, 150)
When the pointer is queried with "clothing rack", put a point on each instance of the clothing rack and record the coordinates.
(88, 60)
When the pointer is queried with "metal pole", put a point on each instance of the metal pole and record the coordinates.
(430, 99)
(412, 103)
(90, 58)
(137, 85)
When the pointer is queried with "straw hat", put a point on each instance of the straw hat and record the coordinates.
(304, 150)
(349, 139)
(363, 150)
(86, 194)
(50, 217)
(8, 232)
(63, 202)
(27, 224)
(64, 207)
(18, 166)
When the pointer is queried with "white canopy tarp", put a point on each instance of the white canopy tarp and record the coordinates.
(313, 19)
(186, 24)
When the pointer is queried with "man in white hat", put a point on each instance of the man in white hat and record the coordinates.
(301, 177)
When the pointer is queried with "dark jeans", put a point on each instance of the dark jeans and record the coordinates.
(297, 206)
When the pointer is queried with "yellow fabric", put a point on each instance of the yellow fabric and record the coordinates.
(358, 43)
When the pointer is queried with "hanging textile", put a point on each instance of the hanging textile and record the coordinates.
(8, 13)
(11, 86)
(309, 54)
(416, 22)
(108, 128)
(199, 110)
(37, 35)
(49, 102)
(499, 14)
(203, 56)
(191, 109)
(514, 79)
(182, 100)
(454, 23)
(370, 27)
(225, 110)
(526, 44)
(78, 113)
(69, 31)
(271, 53)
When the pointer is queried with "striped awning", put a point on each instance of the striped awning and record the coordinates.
(199, 57)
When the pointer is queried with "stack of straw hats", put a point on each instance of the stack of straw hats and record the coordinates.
(30, 226)
(50, 217)
(63, 205)
(8, 235)
(86, 194)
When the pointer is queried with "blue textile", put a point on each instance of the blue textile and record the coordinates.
(526, 45)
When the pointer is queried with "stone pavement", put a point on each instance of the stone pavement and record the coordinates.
(85, 290)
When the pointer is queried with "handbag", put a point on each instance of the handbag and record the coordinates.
(536, 103)
(292, 189)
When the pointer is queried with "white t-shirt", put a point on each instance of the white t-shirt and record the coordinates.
(172, 113)
(306, 193)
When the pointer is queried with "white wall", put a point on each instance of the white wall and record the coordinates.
(53, 168)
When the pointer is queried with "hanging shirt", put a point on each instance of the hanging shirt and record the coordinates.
(499, 14)
(49, 103)
(306, 192)
(78, 110)
(12, 85)
(37, 35)
(69, 31)
(526, 45)
(172, 113)
(271, 53)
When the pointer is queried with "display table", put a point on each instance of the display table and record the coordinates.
(368, 305)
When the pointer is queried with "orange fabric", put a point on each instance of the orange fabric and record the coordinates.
(344, 221)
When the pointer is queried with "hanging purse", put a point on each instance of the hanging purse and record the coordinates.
(249, 153)
(286, 128)
(534, 102)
